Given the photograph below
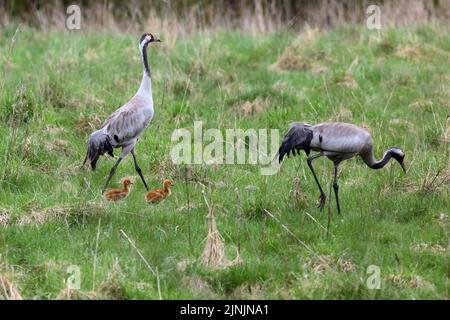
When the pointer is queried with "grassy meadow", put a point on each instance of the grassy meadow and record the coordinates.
(58, 87)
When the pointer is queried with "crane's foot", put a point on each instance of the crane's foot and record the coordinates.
(321, 201)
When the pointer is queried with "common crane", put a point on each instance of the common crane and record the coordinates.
(123, 128)
(337, 141)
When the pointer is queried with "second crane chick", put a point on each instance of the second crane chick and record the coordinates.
(118, 194)
(160, 194)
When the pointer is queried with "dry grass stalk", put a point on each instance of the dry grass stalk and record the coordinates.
(432, 182)
(8, 290)
(95, 254)
(4, 217)
(138, 252)
(155, 273)
(446, 133)
(238, 258)
(317, 222)
(213, 255)
(293, 235)
(296, 192)
(188, 204)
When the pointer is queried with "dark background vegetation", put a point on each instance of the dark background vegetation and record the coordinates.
(247, 14)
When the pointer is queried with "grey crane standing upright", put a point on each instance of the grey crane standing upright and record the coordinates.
(123, 128)
(337, 141)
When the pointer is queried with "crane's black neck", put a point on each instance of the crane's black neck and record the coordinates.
(145, 60)
(386, 157)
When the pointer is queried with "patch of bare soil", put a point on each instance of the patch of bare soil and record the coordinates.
(40, 216)
(348, 81)
(251, 108)
(291, 61)
(294, 58)
(408, 51)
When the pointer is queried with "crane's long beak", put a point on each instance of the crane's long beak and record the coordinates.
(403, 167)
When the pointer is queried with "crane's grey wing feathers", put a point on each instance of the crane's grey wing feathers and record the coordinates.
(298, 138)
(121, 128)
(129, 121)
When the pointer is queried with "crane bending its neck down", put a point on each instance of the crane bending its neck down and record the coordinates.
(337, 141)
(395, 153)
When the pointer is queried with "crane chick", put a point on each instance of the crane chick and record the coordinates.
(159, 194)
(118, 194)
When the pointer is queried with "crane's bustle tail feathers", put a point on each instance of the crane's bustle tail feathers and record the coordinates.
(97, 145)
(298, 138)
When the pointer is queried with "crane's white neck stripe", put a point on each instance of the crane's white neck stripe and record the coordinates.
(145, 89)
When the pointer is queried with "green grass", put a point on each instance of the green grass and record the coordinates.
(55, 79)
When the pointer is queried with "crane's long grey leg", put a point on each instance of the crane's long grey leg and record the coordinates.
(138, 169)
(329, 212)
(322, 194)
(336, 187)
(111, 173)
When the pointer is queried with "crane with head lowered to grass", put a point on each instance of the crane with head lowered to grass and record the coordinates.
(337, 141)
